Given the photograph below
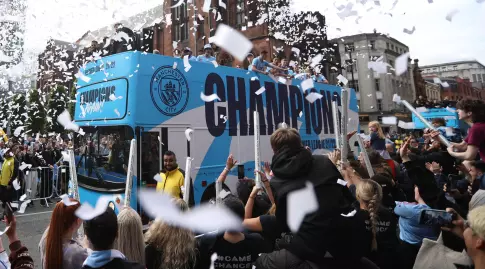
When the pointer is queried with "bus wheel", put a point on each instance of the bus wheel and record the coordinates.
(209, 194)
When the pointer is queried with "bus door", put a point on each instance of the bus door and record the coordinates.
(149, 156)
(174, 139)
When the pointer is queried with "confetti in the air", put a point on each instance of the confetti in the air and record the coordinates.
(389, 120)
(451, 14)
(209, 98)
(260, 91)
(300, 203)
(87, 212)
(313, 96)
(232, 41)
(307, 84)
(401, 66)
(409, 32)
(188, 134)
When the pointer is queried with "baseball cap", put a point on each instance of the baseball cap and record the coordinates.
(207, 46)
(187, 49)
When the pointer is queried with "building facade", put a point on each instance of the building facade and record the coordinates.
(433, 91)
(375, 91)
(474, 71)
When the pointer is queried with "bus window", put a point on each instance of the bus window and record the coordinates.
(102, 155)
(150, 157)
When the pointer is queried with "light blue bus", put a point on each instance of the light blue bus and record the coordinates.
(154, 99)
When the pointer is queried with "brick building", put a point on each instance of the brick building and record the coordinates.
(458, 88)
(189, 30)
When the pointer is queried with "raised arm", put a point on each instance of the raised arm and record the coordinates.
(230, 163)
(248, 209)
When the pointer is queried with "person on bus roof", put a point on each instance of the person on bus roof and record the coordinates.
(259, 64)
(207, 56)
(176, 53)
(173, 178)
(188, 52)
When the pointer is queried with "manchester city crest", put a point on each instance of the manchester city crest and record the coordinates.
(169, 90)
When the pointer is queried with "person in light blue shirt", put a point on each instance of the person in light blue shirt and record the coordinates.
(250, 59)
(259, 64)
(319, 78)
(207, 56)
(188, 52)
(411, 231)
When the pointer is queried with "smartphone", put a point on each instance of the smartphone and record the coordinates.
(433, 217)
(240, 171)
(9, 212)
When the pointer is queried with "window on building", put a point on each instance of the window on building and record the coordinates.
(387, 45)
(180, 27)
(455, 67)
(349, 66)
(379, 104)
(349, 47)
(377, 85)
(479, 78)
(483, 77)
(373, 44)
(435, 69)
(391, 62)
(240, 13)
(392, 47)
(353, 85)
(474, 77)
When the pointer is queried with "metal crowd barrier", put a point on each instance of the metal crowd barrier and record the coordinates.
(42, 184)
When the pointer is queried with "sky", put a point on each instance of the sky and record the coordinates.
(435, 39)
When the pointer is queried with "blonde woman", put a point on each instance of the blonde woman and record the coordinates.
(380, 222)
(377, 139)
(130, 239)
(170, 247)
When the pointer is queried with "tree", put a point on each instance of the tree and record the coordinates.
(17, 113)
(36, 112)
(72, 99)
(4, 103)
(57, 104)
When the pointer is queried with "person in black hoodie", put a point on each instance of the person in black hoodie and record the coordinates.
(101, 233)
(326, 238)
(32, 174)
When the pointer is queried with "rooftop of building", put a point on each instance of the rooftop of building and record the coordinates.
(366, 36)
(453, 63)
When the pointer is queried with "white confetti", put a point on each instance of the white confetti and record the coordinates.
(254, 78)
(445, 84)
(437, 80)
(452, 110)
(215, 64)
(83, 77)
(87, 212)
(406, 125)
(401, 65)
(389, 120)
(209, 98)
(300, 203)
(16, 184)
(213, 259)
(18, 130)
(23, 206)
(179, 3)
(205, 218)
(301, 114)
(232, 41)
(342, 79)
(409, 32)
(451, 14)
(188, 133)
(449, 131)
(157, 178)
(349, 215)
(23, 166)
(342, 182)
(307, 84)
(316, 60)
(396, 98)
(207, 6)
(421, 109)
(64, 119)
(22, 198)
(313, 96)
(113, 97)
(174, 65)
(260, 91)
(4, 231)
(66, 201)
(117, 112)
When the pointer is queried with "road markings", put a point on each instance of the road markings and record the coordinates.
(30, 214)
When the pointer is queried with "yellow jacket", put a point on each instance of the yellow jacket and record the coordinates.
(171, 182)
(8, 169)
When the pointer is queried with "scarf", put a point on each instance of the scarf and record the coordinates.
(98, 259)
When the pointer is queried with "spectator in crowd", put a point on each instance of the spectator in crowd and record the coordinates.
(325, 230)
(176, 53)
(223, 58)
(125, 38)
(260, 65)
(173, 177)
(378, 139)
(477, 173)
(101, 232)
(8, 174)
(33, 173)
(380, 222)
(207, 56)
(318, 77)
(170, 247)
(234, 249)
(130, 236)
(188, 52)
(472, 111)
(61, 251)
(48, 157)
(19, 255)
(250, 59)
(274, 71)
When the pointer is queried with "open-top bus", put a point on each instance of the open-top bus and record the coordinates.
(154, 99)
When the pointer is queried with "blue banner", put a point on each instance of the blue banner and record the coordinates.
(450, 116)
